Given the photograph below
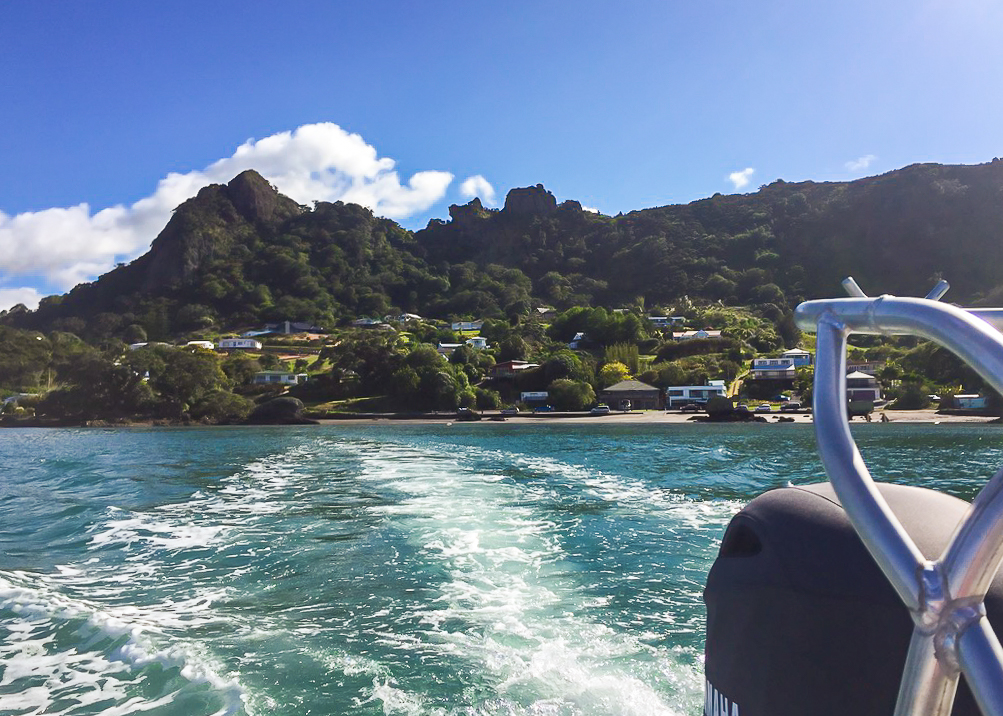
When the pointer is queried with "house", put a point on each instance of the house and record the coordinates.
(660, 321)
(577, 341)
(970, 402)
(446, 349)
(860, 386)
(280, 377)
(679, 395)
(152, 344)
(206, 345)
(368, 323)
(641, 395)
(546, 313)
(799, 357)
(773, 369)
(510, 368)
(686, 335)
(403, 318)
(293, 327)
(539, 397)
(871, 367)
(477, 343)
(239, 344)
(467, 325)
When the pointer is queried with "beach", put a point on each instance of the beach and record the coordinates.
(653, 417)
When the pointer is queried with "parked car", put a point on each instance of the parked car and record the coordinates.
(543, 409)
(742, 408)
(691, 408)
(512, 410)
(790, 407)
(764, 408)
(601, 409)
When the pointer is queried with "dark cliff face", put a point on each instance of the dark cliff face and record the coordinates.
(257, 200)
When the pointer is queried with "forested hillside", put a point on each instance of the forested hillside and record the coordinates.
(241, 253)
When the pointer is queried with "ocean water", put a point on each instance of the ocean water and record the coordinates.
(474, 569)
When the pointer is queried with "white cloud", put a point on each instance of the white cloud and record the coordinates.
(13, 296)
(591, 209)
(860, 164)
(741, 179)
(478, 186)
(319, 162)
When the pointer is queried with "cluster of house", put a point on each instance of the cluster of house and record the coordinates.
(861, 383)
(263, 377)
(226, 344)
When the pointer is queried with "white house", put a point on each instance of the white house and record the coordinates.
(577, 341)
(446, 349)
(477, 342)
(860, 386)
(239, 343)
(799, 357)
(773, 369)
(280, 377)
(686, 335)
(467, 325)
(510, 368)
(207, 345)
(679, 395)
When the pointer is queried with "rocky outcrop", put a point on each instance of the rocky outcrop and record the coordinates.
(530, 200)
(280, 411)
(469, 213)
(204, 226)
(257, 200)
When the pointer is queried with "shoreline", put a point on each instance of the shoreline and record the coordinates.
(648, 417)
(657, 417)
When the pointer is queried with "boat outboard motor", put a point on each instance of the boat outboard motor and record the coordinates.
(801, 620)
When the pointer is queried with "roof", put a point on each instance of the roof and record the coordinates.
(797, 351)
(857, 375)
(629, 385)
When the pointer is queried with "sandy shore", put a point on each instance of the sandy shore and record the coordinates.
(651, 417)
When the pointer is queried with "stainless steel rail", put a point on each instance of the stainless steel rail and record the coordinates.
(951, 635)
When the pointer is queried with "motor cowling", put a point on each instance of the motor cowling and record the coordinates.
(801, 620)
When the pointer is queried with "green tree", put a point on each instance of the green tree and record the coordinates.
(571, 394)
(612, 373)
(222, 407)
(186, 377)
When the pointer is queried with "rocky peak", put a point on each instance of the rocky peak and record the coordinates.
(530, 200)
(468, 213)
(257, 200)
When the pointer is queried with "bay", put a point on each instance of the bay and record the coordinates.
(402, 569)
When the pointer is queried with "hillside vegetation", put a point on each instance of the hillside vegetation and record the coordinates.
(239, 255)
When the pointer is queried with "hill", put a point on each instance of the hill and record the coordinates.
(241, 254)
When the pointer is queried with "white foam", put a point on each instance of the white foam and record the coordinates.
(511, 603)
(104, 644)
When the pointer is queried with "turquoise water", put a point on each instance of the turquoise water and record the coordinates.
(467, 569)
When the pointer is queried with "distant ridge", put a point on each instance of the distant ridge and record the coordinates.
(242, 253)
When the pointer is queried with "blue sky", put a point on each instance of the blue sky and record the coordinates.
(112, 112)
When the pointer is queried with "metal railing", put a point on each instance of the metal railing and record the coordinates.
(951, 634)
